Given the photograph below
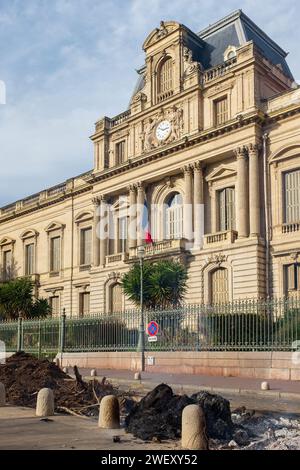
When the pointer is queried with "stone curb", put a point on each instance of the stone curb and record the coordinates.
(148, 385)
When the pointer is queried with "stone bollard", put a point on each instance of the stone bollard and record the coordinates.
(137, 376)
(2, 394)
(265, 386)
(45, 402)
(57, 361)
(93, 373)
(65, 370)
(109, 414)
(193, 435)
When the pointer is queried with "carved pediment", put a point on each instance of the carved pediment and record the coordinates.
(222, 171)
(54, 226)
(7, 241)
(165, 28)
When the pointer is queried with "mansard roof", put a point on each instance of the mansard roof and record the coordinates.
(236, 30)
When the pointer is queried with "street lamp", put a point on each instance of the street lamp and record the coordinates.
(141, 342)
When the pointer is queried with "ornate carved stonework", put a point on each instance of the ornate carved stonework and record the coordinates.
(190, 65)
(174, 115)
(217, 258)
(162, 31)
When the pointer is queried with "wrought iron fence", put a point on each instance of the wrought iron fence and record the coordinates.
(244, 325)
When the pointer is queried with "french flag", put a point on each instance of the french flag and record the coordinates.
(145, 224)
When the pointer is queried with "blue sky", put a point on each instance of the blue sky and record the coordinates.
(66, 63)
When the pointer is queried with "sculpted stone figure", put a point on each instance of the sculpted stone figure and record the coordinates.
(148, 135)
(176, 119)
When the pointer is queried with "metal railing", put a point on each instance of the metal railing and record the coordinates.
(243, 325)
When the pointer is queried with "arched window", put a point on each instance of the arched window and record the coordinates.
(219, 286)
(116, 298)
(174, 217)
(166, 76)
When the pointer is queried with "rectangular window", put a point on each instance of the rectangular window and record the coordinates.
(7, 265)
(54, 305)
(292, 196)
(55, 254)
(84, 303)
(29, 259)
(226, 209)
(292, 273)
(86, 247)
(221, 111)
(120, 152)
(123, 227)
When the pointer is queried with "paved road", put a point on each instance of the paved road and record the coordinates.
(21, 429)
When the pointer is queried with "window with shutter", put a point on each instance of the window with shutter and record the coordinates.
(221, 111)
(166, 76)
(54, 305)
(86, 247)
(219, 286)
(84, 303)
(292, 196)
(7, 265)
(116, 298)
(120, 152)
(123, 228)
(226, 209)
(174, 217)
(29, 259)
(55, 254)
(292, 274)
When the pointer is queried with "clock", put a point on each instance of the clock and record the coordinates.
(163, 130)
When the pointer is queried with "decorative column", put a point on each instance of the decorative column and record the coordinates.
(198, 205)
(188, 201)
(132, 217)
(103, 233)
(140, 207)
(242, 204)
(96, 230)
(254, 190)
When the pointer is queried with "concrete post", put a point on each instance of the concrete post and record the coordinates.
(242, 193)
(45, 402)
(254, 191)
(109, 415)
(2, 394)
(96, 241)
(193, 435)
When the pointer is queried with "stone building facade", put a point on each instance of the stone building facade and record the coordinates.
(213, 123)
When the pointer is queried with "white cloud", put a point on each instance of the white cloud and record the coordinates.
(68, 62)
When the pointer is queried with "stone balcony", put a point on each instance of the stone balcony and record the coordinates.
(116, 258)
(220, 238)
(160, 249)
(290, 228)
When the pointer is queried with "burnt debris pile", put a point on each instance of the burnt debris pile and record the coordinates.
(158, 414)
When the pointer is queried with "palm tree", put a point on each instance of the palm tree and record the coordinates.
(164, 284)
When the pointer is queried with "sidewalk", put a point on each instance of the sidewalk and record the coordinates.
(283, 395)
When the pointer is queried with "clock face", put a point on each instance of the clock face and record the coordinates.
(163, 130)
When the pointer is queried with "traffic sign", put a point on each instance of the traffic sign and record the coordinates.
(152, 339)
(152, 328)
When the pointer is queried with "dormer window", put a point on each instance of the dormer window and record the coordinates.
(230, 53)
(165, 79)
